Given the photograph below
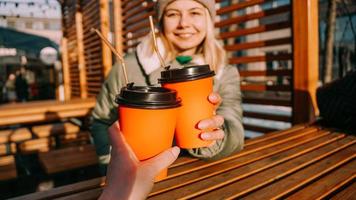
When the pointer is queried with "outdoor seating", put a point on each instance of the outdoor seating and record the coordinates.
(68, 158)
(303, 162)
(48, 130)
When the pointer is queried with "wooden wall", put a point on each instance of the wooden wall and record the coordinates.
(274, 46)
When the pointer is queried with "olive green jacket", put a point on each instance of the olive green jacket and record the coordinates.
(226, 83)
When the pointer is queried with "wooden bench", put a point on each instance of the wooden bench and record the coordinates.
(48, 130)
(74, 139)
(303, 162)
(68, 158)
(17, 135)
(37, 145)
(9, 138)
(44, 111)
(7, 168)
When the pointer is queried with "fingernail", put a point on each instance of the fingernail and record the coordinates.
(201, 125)
(205, 136)
(175, 151)
(213, 97)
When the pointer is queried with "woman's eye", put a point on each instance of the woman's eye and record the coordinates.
(172, 14)
(196, 13)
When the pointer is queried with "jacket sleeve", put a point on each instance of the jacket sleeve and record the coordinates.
(105, 114)
(228, 87)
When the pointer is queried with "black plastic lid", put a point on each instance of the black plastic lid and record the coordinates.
(189, 73)
(148, 97)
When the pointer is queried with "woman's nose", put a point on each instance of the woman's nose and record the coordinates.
(184, 20)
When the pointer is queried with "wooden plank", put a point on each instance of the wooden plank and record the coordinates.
(260, 129)
(118, 26)
(138, 11)
(65, 68)
(7, 149)
(139, 18)
(274, 141)
(347, 193)
(332, 182)
(36, 145)
(278, 72)
(313, 164)
(85, 195)
(241, 167)
(48, 130)
(81, 60)
(133, 5)
(250, 59)
(258, 29)
(239, 6)
(253, 16)
(16, 135)
(304, 176)
(68, 158)
(105, 29)
(232, 186)
(267, 116)
(261, 88)
(267, 101)
(305, 59)
(258, 44)
(64, 190)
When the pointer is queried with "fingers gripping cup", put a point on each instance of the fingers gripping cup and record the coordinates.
(147, 117)
(193, 85)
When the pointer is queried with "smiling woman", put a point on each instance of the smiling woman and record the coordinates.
(185, 38)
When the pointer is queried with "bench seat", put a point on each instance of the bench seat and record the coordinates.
(47, 130)
(68, 158)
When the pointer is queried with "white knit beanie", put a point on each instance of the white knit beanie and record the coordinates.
(209, 4)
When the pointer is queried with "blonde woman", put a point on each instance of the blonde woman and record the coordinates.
(186, 37)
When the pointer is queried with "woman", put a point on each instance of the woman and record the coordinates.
(186, 37)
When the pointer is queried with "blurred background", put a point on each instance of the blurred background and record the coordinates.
(50, 59)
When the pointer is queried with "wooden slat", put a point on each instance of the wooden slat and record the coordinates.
(267, 101)
(137, 11)
(258, 44)
(264, 58)
(133, 5)
(36, 145)
(68, 158)
(16, 135)
(256, 15)
(239, 167)
(267, 116)
(331, 182)
(67, 189)
(260, 129)
(320, 159)
(278, 139)
(54, 129)
(105, 29)
(348, 192)
(7, 149)
(238, 6)
(260, 87)
(258, 29)
(278, 72)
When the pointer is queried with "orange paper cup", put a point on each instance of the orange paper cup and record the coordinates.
(147, 118)
(193, 84)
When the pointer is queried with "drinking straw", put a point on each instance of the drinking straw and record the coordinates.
(114, 51)
(155, 46)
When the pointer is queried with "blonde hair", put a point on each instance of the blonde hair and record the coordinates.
(213, 52)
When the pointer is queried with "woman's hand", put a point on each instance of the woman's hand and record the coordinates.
(127, 177)
(211, 126)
